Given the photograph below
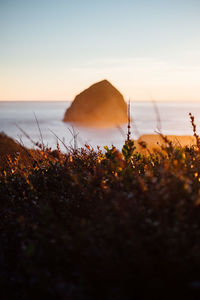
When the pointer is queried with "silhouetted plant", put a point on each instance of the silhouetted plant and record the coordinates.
(195, 131)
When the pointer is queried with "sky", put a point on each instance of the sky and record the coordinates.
(53, 49)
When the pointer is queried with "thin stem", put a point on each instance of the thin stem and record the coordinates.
(129, 122)
(41, 137)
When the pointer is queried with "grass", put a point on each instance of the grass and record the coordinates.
(92, 225)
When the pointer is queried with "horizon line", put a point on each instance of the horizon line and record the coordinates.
(65, 100)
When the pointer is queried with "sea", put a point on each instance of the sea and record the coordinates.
(29, 122)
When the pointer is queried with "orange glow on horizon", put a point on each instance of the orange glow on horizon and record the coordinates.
(139, 79)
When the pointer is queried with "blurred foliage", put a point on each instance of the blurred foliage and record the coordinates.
(89, 224)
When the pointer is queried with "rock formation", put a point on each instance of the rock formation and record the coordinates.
(100, 105)
(9, 147)
(155, 141)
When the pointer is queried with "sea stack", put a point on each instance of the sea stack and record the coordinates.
(100, 105)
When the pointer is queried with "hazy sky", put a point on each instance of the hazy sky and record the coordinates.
(51, 50)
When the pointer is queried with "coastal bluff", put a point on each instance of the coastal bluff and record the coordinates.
(100, 105)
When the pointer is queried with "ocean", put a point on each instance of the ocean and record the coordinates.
(145, 116)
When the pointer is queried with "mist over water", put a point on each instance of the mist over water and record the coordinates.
(174, 120)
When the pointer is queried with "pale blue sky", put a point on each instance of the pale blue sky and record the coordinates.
(53, 49)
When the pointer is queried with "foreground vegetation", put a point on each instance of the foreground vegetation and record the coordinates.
(93, 225)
